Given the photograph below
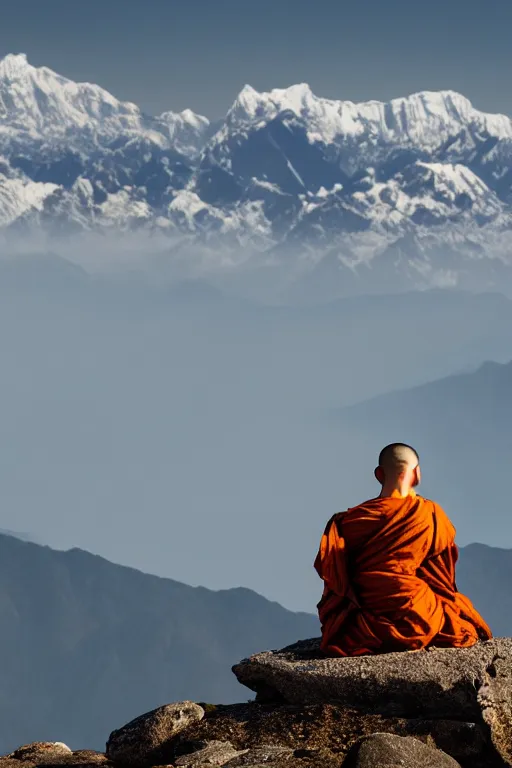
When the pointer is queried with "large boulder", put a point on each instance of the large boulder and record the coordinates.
(385, 750)
(470, 684)
(42, 752)
(148, 740)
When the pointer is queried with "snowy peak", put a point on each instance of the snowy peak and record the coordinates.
(38, 104)
(13, 66)
(186, 130)
(286, 171)
(251, 104)
(427, 117)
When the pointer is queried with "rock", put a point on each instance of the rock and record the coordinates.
(89, 756)
(467, 742)
(432, 683)
(385, 750)
(328, 731)
(261, 756)
(469, 684)
(147, 740)
(10, 762)
(495, 701)
(212, 753)
(41, 752)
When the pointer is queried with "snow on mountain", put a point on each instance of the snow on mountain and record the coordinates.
(37, 105)
(426, 118)
(187, 132)
(244, 225)
(427, 194)
(18, 194)
(338, 186)
(76, 210)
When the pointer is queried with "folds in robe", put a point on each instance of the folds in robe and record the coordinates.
(388, 568)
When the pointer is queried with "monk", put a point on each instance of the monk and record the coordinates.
(388, 568)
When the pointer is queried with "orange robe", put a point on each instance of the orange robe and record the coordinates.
(388, 567)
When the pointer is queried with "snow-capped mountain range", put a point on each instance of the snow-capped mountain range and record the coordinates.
(423, 182)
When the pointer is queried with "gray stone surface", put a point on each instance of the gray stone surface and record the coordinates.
(385, 750)
(428, 683)
(147, 740)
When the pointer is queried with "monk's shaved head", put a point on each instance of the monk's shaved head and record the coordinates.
(399, 469)
(394, 458)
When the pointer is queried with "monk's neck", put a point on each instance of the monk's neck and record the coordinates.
(393, 492)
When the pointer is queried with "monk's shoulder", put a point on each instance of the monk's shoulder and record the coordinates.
(441, 518)
(372, 508)
(433, 505)
(339, 518)
(333, 520)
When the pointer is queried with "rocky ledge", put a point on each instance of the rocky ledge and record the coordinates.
(440, 708)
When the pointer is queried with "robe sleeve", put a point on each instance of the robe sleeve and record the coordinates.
(438, 569)
(331, 562)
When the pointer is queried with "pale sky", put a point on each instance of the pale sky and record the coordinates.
(173, 54)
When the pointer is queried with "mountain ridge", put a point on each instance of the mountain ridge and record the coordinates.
(286, 177)
(88, 643)
(109, 639)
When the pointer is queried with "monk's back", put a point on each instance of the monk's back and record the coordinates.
(388, 567)
(389, 534)
(387, 540)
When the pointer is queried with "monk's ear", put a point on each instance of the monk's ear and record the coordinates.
(417, 477)
(379, 475)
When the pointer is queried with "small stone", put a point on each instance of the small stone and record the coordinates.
(148, 740)
(213, 753)
(387, 750)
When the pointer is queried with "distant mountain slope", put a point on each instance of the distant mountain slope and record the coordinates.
(189, 406)
(421, 184)
(20, 535)
(462, 427)
(86, 644)
(485, 574)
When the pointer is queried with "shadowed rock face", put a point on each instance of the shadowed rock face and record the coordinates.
(323, 733)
